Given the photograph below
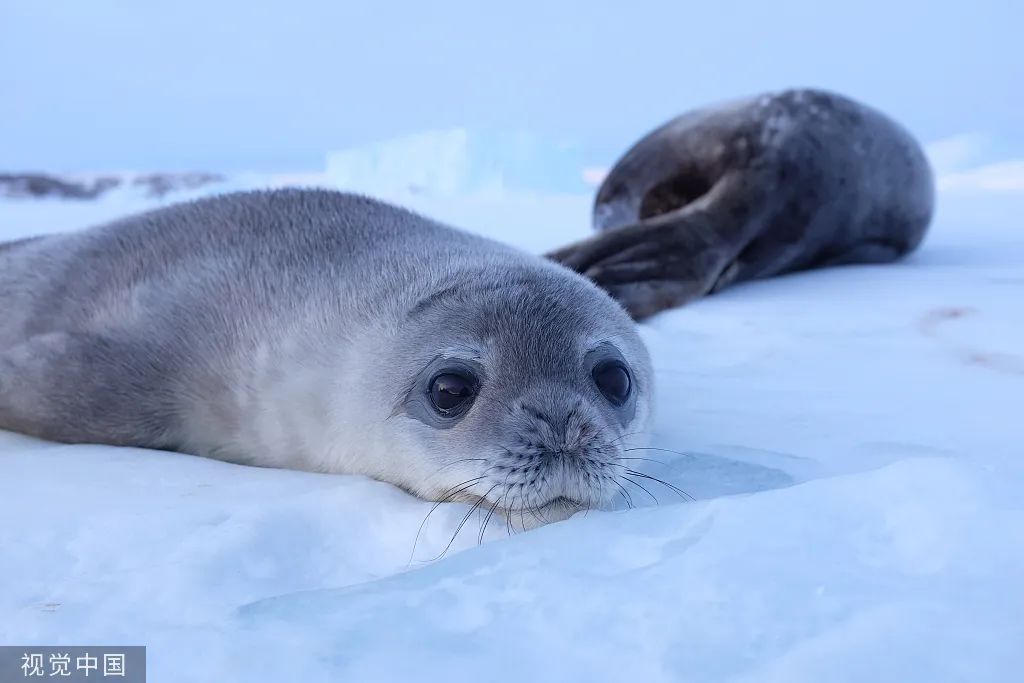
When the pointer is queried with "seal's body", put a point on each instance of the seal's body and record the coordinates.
(749, 189)
(329, 332)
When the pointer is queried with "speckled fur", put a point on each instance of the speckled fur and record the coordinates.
(750, 189)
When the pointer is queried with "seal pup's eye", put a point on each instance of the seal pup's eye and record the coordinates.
(451, 392)
(612, 378)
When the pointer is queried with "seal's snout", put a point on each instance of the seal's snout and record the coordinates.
(566, 428)
(563, 432)
(557, 450)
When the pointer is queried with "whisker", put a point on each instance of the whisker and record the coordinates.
(533, 510)
(624, 436)
(625, 494)
(487, 520)
(504, 504)
(451, 493)
(536, 511)
(682, 493)
(642, 488)
(654, 448)
(459, 461)
(660, 462)
(464, 520)
(508, 513)
(522, 509)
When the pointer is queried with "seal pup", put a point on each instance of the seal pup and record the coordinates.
(330, 332)
(768, 185)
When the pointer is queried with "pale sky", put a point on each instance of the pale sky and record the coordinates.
(228, 85)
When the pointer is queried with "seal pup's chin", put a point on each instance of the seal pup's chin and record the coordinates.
(561, 507)
(555, 510)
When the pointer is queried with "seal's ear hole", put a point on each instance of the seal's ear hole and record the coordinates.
(674, 193)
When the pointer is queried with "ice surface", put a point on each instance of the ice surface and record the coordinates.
(853, 438)
(459, 162)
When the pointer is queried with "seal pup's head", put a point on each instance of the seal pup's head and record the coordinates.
(520, 386)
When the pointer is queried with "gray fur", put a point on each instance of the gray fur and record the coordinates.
(750, 189)
(292, 328)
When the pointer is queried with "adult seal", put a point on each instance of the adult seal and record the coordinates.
(324, 331)
(768, 185)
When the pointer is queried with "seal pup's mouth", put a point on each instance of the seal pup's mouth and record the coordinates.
(559, 503)
(563, 502)
(556, 509)
(562, 499)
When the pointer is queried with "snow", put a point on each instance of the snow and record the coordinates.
(458, 162)
(960, 163)
(853, 438)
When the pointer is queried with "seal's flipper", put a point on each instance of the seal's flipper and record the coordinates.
(83, 388)
(655, 265)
